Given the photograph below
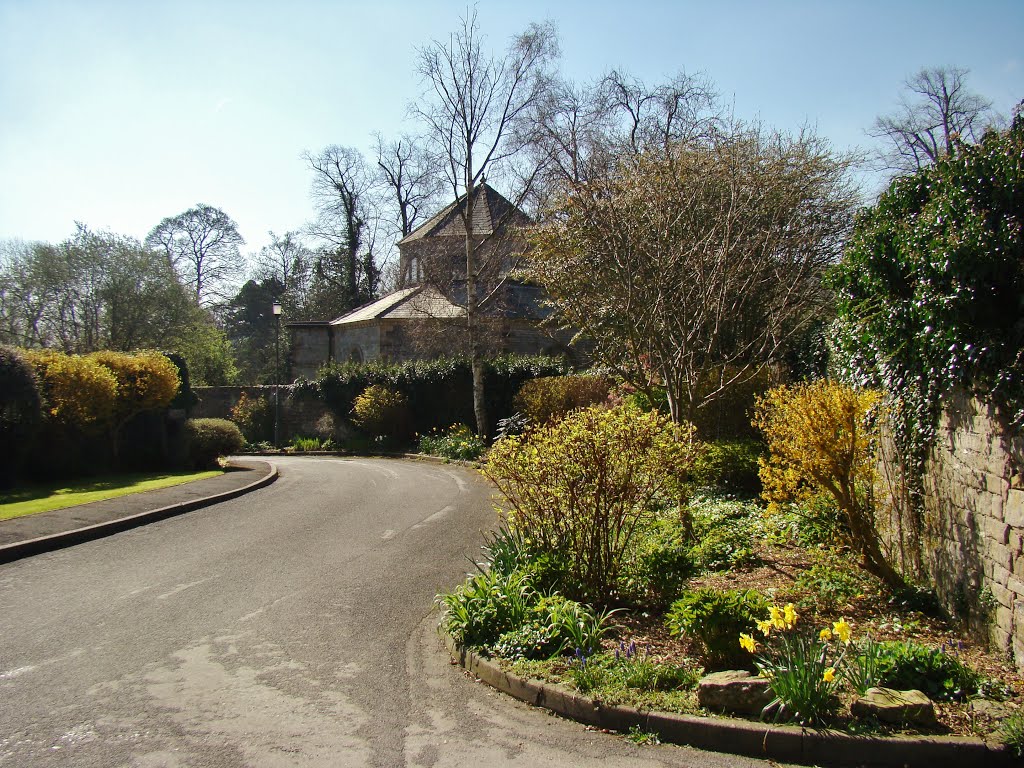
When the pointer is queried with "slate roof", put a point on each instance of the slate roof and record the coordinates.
(417, 303)
(489, 209)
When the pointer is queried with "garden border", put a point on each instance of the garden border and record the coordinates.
(786, 743)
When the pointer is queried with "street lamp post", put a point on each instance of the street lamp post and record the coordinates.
(276, 308)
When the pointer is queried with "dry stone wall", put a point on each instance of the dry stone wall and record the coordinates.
(972, 528)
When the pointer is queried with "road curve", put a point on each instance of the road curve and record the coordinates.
(289, 627)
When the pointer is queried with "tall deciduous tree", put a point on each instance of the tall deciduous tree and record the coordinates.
(935, 110)
(203, 246)
(345, 271)
(477, 110)
(699, 263)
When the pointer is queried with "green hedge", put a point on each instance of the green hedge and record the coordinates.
(439, 392)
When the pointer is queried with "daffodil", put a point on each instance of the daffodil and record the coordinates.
(790, 615)
(825, 635)
(777, 617)
(765, 627)
(830, 675)
(842, 629)
(747, 642)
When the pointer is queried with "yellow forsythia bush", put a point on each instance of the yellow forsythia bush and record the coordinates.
(821, 438)
(146, 381)
(79, 392)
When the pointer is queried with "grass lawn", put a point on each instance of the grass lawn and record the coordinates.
(44, 497)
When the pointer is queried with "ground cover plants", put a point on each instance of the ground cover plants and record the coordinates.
(669, 576)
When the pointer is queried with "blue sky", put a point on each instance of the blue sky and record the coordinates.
(118, 114)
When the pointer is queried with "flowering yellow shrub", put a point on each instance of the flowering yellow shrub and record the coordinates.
(579, 487)
(381, 411)
(146, 380)
(79, 392)
(821, 439)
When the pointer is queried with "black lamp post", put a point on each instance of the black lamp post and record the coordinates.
(276, 308)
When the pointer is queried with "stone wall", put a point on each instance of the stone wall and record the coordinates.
(971, 533)
(302, 418)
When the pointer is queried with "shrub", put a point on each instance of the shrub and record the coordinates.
(255, 417)
(20, 411)
(831, 581)
(79, 392)
(579, 488)
(312, 444)
(730, 466)
(382, 412)
(930, 670)
(820, 439)
(551, 397)
(715, 618)
(660, 562)
(209, 439)
(458, 443)
(146, 381)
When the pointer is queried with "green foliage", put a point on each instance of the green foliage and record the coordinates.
(255, 417)
(799, 673)
(458, 443)
(659, 563)
(209, 439)
(1011, 732)
(439, 391)
(729, 466)
(938, 674)
(312, 444)
(579, 488)
(146, 380)
(486, 606)
(725, 531)
(833, 581)
(382, 412)
(548, 398)
(715, 618)
(864, 665)
(206, 351)
(930, 288)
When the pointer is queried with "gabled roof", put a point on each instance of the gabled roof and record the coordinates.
(489, 210)
(417, 303)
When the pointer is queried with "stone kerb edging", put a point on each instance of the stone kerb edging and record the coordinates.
(29, 547)
(790, 744)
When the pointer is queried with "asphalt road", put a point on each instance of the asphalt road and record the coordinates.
(290, 627)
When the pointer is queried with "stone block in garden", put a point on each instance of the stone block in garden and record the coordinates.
(736, 691)
(899, 707)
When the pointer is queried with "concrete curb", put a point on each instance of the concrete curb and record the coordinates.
(790, 744)
(29, 547)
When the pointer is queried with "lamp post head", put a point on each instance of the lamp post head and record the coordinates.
(276, 309)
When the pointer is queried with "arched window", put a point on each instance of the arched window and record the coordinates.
(355, 355)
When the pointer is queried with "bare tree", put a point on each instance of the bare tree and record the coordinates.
(476, 110)
(203, 246)
(698, 264)
(934, 112)
(411, 180)
(286, 263)
(345, 271)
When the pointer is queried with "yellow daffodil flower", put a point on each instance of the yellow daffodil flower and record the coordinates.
(790, 615)
(765, 627)
(830, 675)
(747, 643)
(777, 617)
(843, 630)
(825, 635)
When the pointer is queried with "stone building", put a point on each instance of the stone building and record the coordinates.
(425, 316)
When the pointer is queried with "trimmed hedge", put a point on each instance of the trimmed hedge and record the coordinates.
(21, 412)
(439, 392)
(209, 439)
